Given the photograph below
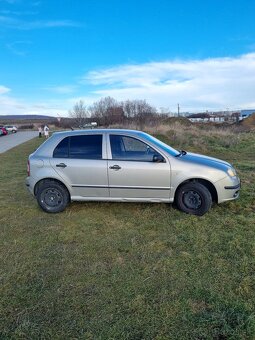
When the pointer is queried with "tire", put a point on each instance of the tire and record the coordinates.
(193, 198)
(52, 196)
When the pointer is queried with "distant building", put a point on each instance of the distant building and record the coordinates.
(246, 113)
(216, 116)
(206, 117)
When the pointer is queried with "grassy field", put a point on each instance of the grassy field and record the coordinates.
(129, 271)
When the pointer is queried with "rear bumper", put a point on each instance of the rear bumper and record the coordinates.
(30, 185)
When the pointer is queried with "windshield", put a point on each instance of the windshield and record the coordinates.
(161, 145)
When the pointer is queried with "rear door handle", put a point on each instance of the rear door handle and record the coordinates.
(61, 165)
(115, 167)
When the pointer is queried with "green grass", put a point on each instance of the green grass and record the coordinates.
(127, 271)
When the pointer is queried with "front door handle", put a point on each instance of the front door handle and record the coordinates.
(61, 165)
(115, 167)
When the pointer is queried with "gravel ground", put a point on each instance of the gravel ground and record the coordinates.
(10, 141)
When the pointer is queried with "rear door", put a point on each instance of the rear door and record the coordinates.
(79, 160)
(136, 170)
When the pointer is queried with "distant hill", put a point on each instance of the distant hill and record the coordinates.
(26, 117)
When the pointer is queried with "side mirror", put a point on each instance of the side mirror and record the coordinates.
(158, 159)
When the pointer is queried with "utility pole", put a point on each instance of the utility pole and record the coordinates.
(178, 109)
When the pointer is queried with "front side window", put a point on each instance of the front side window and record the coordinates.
(129, 148)
(80, 147)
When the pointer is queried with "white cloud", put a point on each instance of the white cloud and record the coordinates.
(36, 3)
(10, 1)
(64, 89)
(17, 13)
(13, 23)
(19, 47)
(210, 84)
(10, 105)
(214, 83)
(4, 89)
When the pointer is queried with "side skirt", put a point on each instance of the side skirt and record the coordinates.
(113, 199)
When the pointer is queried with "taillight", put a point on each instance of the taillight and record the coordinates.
(28, 168)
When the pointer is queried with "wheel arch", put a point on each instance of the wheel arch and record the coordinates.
(53, 180)
(204, 182)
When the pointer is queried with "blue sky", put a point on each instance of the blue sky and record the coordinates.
(199, 53)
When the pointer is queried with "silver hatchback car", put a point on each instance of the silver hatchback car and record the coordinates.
(125, 166)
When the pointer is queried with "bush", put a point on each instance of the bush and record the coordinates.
(27, 127)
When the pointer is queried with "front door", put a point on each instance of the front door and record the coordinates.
(136, 170)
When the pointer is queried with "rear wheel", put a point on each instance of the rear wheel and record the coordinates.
(52, 196)
(193, 198)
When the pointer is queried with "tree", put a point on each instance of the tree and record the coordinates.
(236, 116)
(79, 113)
(142, 112)
(108, 111)
(129, 108)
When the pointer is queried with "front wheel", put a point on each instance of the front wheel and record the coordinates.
(52, 196)
(193, 198)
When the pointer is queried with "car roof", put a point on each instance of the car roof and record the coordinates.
(97, 131)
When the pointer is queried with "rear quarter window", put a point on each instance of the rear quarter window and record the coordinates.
(62, 149)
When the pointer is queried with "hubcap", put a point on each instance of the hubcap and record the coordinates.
(52, 197)
(192, 200)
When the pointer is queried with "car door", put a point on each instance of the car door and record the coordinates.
(136, 170)
(79, 160)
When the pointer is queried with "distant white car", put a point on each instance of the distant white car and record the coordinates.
(11, 128)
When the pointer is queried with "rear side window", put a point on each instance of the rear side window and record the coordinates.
(80, 147)
(86, 147)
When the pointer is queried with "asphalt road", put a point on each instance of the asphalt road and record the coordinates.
(10, 141)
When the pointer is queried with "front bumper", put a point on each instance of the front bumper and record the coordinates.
(228, 189)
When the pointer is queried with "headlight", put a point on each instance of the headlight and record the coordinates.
(231, 172)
